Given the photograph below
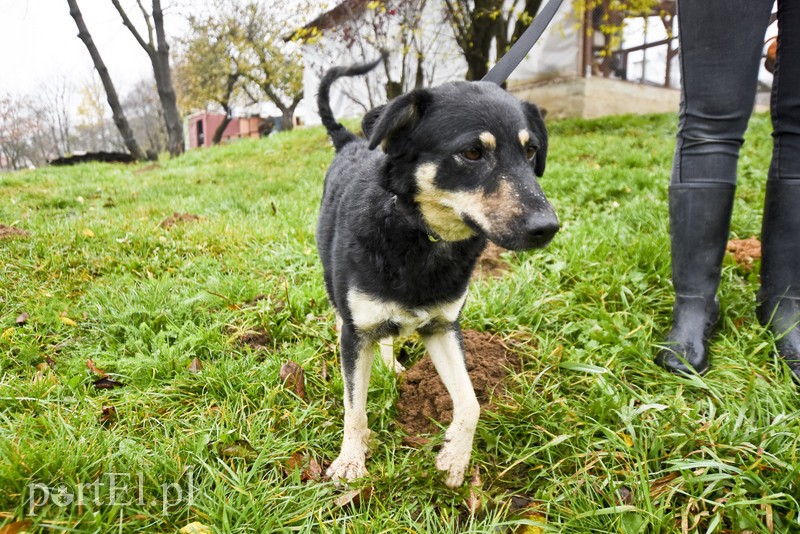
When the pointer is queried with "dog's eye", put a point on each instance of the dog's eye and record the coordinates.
(530, 152)
(472, 154)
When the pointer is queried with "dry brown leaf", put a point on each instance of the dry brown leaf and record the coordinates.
(416, 442)
(309, 467)
(94, 369)
(22, 318)
(17, 527)
(107, 383)
(108, 417)
(324, 371)
(354, 497)
(195, 366)
(293, 378)
(474, 502)
(624, 495)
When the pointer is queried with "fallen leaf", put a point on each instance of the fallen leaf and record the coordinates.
(238, 449)
(416, 442)
(293, 378)
(309, 467)
(473, 502)
(626, 438)
(7, 334)
(88, 233)
(93, 368)
(107, 383)
(17, 527)
(195, 528)
(354, 497)
(624, 495)
(532, 529)
(67, 321)
(22, 319)
(108, 417)
(195, 366)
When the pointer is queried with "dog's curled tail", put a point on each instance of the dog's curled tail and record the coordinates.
(338, 133)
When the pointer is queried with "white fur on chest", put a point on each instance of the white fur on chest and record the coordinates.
(370, 313)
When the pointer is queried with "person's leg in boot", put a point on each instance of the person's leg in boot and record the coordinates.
(779, 296)
(720, 43)
(699, 215)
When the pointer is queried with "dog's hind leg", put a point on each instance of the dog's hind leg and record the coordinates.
(387, 355)
(357, 356)
(447, 353)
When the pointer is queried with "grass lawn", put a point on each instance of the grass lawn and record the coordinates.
(107, 424)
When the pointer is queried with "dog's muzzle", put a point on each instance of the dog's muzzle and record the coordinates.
(539, 229)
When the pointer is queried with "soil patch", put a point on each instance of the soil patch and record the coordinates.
(258, 339)
(490, 263)
(423, 396)
(178, 218)
(745, 251)
(7, 232)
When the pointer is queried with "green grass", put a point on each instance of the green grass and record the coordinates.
(593, 437)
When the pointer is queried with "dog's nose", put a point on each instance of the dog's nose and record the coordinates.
(540, 228)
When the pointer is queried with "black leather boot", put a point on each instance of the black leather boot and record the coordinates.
(699, 216)
(779, 296)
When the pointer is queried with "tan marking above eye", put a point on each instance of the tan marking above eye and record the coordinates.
(488, 140)
(524, 137)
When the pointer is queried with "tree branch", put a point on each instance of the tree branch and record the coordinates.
(126, 21)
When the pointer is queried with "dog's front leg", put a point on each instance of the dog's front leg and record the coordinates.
(447, 353)
(356, 355)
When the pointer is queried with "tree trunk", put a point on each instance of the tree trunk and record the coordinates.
(158, 52)
(224, 124)
(111, 94)
(166, 89)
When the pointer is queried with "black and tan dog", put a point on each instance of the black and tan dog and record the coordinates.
(400, 230)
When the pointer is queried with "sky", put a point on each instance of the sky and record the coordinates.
(39, 43)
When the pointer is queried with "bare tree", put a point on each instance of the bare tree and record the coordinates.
(480, 25)
(157, 50)
(93, 131)
(143, 108)
(111, 94)
(54, 106)
(15, 128)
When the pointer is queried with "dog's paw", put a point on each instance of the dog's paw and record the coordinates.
(453, 460)
(346, 469)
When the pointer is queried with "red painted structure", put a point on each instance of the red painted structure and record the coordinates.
(202, 126)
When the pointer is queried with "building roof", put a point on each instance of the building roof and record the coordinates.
(345, 11)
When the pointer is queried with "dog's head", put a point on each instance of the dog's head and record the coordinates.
(468, 153)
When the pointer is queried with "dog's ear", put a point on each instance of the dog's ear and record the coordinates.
(399, 115)
(369, 120)
(536, 122)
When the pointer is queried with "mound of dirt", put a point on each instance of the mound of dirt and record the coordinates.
(7, 232)
(423, 396)
(178, 218)
(491, 264)
(745, 251)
